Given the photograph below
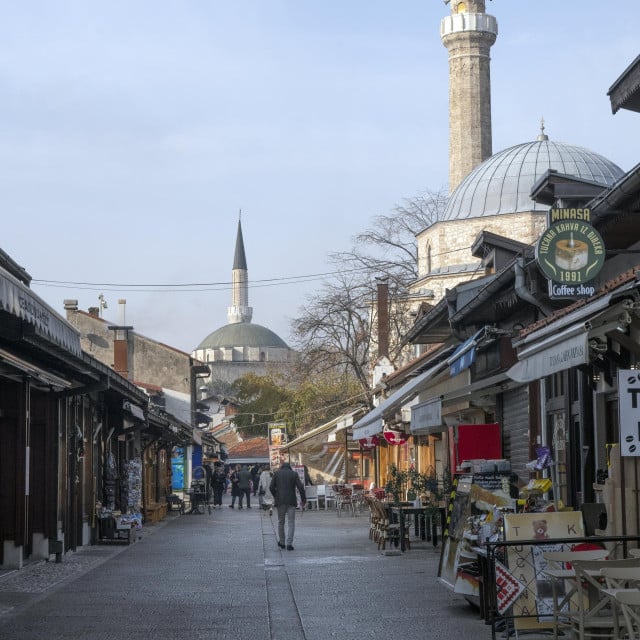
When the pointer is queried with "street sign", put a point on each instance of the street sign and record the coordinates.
(629, 411)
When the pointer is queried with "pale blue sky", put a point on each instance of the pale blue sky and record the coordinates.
(132, 132)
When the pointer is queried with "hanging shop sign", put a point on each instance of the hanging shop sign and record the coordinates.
(369, 443)
(392, 436)
(277, 434)
(570, 253)
(629, 411)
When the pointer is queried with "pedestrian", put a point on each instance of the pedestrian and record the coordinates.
(244, 486)
(233, 479)
(218, 483)
(265, 497)
(255, 477)
(283, 486)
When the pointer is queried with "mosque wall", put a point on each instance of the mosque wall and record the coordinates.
(231, 371)
(244, 354)
(446, 244)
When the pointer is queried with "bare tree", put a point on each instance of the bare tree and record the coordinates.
(334, 329)
(388, 248)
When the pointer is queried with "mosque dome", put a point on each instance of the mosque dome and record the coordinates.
(242, 334)
(503, 182)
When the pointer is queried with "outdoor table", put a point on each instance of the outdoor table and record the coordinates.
(402, 511)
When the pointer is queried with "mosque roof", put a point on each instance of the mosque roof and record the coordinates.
(242, 334)
(502, 183)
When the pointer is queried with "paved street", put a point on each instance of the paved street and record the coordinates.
(223, 576)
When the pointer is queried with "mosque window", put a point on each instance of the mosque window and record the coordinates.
(461, 7)
(263, 356)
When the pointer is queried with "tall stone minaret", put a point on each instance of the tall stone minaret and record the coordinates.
(468, 34)
(239, 311)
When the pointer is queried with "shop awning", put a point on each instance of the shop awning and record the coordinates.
(372, 423)
(465, 355)
(337, 424)
(18, 300)
(565, 344)
(566, 349)
(134, 410)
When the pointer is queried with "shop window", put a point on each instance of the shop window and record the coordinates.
(557, 437)
(555, 385)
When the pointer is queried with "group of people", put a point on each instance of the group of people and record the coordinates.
(277, 489)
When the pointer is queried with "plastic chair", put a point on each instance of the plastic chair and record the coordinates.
(325, 495)
(311, 493)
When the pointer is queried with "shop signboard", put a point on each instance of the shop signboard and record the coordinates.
(277, 434)
(629, 411)
(392, 436)
(570, 253)
(533, 609)
(369, 443)
(508, 589)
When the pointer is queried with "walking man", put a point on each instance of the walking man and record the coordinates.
(244, 486)
(283, 486)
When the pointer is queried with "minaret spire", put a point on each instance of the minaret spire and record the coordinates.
(468, 34)
(239, 311)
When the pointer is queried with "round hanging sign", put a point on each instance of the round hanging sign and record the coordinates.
(570, 254)
(369, 443)
(394, 437)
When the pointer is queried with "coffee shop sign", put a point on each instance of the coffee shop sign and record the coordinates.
(570, 253)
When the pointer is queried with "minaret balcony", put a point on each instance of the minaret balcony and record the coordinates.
(462, 22)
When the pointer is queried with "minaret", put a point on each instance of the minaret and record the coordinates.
(239, 311)
(468, 34)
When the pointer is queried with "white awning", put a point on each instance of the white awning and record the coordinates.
(372, 423)
(562, 351)
(546, 352)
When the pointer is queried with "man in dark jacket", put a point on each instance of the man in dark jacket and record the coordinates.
(283, 486)
(244, 486)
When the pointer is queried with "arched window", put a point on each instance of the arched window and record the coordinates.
(263, 356)
(428, 258)
(461, 7)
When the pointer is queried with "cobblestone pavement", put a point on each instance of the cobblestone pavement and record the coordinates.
(223, 576)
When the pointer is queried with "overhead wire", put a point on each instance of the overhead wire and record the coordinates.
(207, 286)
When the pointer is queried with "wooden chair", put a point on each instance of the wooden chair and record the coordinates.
(629, 603)
(622, 583)
(566, 592)
(388, 531)
(373, 518)
(596, 616)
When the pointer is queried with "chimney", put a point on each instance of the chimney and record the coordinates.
(121, 343)
(94, 312)
(383, 317)
(70, 305)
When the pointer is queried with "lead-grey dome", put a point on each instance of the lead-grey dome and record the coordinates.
(242, 334)
(502, 183)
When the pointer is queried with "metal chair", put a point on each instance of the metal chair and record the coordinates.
(345, 500)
